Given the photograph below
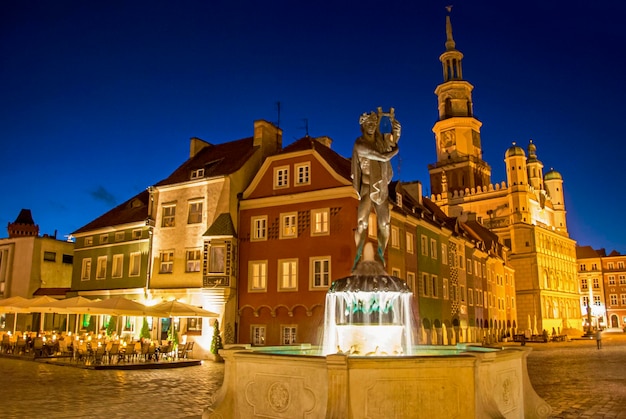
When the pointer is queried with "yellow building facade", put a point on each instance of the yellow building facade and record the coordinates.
(527, 211)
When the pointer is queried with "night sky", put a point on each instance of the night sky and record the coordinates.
(99, 98)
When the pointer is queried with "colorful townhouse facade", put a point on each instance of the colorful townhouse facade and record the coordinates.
(178, 238)
(32, 265)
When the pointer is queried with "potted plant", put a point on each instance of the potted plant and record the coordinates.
(216, 342)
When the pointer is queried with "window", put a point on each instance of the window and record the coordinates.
(320, 272)
(50, 256)
(596, 300)
(583, 267)
(425, 285)
(469, 266)
(470, 296)
(596, 283)
(197, 174)
(479, 295)
(613, 299)
(193, 258)
(88, 241)
(134, 267)
(258, 335)
(69, 259)
(288, 334)
(167, 262)
(194, 324)
(424, 245)
(259, 228)
(169, 216)
(101, 267)
(611, 279)
(119, 236)
(433, 248)
(434, 289)
(257, 273)
(399, 199)
(320, 221)
(371, 225)
(461, 264)
(585, 301)
(395, 272)
(444, 253)
(118, 266)
(620, 265)
(288, 275)
(288, 225)
(445, 288)
(195, 213)
(462, 293)
(410, 279)
(611, 266)
(623, 299)
(583, 284)
(410, 246)
(622, 279)
(85, 273)
(104, 238)
(395, 237)
(136, 234)
(281, 177)
(303, 171)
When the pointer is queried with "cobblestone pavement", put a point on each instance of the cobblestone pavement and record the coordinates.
(580, 381)
(36, 390)
(575, 378)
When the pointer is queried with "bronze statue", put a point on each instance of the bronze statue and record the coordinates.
(371, 174)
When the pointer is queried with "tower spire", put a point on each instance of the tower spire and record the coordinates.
(450, 44)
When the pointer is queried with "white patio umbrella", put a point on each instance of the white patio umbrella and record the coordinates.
(38, 305)
(70, 305)
(179, 309)
(12, 305)
(116, 306)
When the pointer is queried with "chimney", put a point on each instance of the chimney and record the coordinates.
(195, 145)
(267, 136)
(327, 141)
(414, 189)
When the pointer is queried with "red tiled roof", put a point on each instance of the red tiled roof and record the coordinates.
(133, 210)
(586, 252)
(216, 160)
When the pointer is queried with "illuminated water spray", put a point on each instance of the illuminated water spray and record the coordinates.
(369, 313)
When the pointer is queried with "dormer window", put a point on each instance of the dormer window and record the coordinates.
(197, 174)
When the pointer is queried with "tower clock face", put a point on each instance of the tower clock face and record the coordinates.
(448, 139)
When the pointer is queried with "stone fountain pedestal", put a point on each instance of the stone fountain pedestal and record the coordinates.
(462, 381)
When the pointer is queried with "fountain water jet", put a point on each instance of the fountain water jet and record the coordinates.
(368, 313)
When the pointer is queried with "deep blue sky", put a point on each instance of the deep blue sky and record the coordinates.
(99, 98)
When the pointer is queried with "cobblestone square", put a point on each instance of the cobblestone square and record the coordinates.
(575, 378)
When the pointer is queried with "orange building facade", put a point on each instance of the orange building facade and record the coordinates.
(297, 218)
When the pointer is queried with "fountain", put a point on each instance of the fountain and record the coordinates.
(368, 365)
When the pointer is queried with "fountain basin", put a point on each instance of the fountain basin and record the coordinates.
(462, 381)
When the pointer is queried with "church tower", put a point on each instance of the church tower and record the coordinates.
(457, 132)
